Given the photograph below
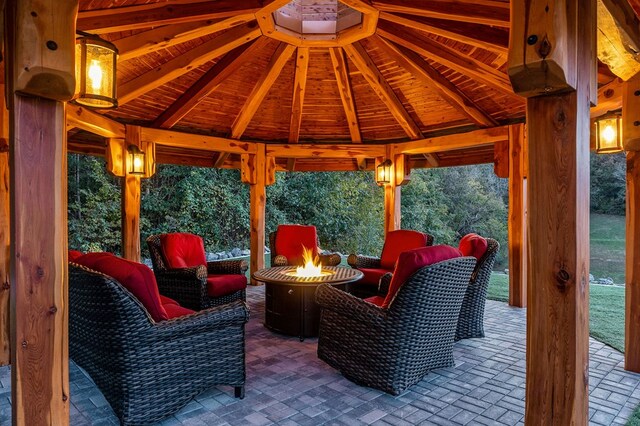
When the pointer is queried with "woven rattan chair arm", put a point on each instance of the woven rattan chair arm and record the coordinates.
(383, 284)
(227, 267)
(280, 260)
(192, 273)
(231, 314)
(360, 261)
(331, 259)
(349, 306)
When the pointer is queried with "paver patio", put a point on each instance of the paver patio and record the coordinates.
(287, 384)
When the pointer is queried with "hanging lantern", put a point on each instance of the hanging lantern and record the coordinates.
(609, 134)
(136, 160)
(383, 172)
(95, 72)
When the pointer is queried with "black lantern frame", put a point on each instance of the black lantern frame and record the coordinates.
(86, 95)
(136, 160)
(383, 172)
(611, 121)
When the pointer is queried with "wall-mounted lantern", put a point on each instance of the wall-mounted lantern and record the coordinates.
(609, 133)
(136, 160)
(383, 173)
(96, 61)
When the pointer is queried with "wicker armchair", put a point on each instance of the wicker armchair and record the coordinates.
(327, 259)
(374, 268)
(391, 349)
(471, 321)
(148, 370)
(190, 286)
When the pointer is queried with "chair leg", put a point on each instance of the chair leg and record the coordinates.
(239, 392)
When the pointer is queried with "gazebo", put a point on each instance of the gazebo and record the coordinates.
(324, 85)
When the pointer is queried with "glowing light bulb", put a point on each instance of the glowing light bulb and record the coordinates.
(95, 75)
(609, 134)
(137, 163)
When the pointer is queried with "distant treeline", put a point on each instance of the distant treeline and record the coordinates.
(346, 207)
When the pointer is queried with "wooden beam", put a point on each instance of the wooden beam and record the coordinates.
(324, 150)
(430, 77)
(98, 124)
(632, 270)
(115, 19)
(198, 142)
(130, 211)
(517, 223)
(346, 93)
(496, 41)
(186, 62)
(475, 138)
(501, 158)
(220, 159)
(210, 81)
(557, 390)
(299, 86)
(464, 64)
(492, 13)
(115, 156)
(609, 98)
(619, 37)
(261, 88)
(381, 87)
(258, 197)
(166, 36)
(5, 230)
(631, 113)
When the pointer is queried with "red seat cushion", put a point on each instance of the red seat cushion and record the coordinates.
(290, 240)
(412, 260)
(167, 301)
(372, 275)
(376, 300)
(175, 311)
(74, 255)
(222, 285)
(473, 245)
(398, 241)
(183, 250)
(135, 277)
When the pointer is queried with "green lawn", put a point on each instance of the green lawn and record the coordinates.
(607, 237)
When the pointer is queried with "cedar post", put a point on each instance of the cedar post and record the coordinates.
(392, 193)
(631, 134)
(552, 62)
(517, 217)
(130, 208)
(40, 50)
(5, 336)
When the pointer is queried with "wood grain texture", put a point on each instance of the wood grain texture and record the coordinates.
(517, 224)
(299, 85)
(198, 142)
(632, 271)
(501, 159)
(130, 206)
(475, 138)
(609, 98)
(257, 221)
(5, 230)
(631, 113)
(85, 119)
(115, 156)
(39, 308)
(339, 61)
(619, 38)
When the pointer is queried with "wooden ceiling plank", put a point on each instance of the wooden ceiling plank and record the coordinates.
(272, 71)
(467, 65)
(209, 82)
(474, 39)
(170, 35)
(299, 86)
(381, 87)
(128, 18)
(305, 150)
(346, 93)
(492, 13)
(187, 62)
(430, 77)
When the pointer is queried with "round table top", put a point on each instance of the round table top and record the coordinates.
(278, 275)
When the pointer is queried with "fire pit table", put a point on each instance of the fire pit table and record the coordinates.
(290, 306)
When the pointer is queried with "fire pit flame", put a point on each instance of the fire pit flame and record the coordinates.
(311, 267)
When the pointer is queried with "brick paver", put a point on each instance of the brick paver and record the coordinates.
(288, 385)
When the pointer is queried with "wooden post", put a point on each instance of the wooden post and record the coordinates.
(130, 210)
(517, 217)
(255, 170)
(552, 61)
(631, 135)
(40, 51)
(392, 198)
(5, 336)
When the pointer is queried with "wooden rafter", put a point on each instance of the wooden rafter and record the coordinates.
(299, 85)
(163, 13)
(196, 142)
(346, 93)
(429, 76)
(381, 87)
(487, 12)
(95, 123)
(186, 62)
(170, 35)
(260, 90)
(491, 39)
(222, 70)
(609, 98)
(467, 65)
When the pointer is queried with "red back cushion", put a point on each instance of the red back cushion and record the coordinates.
(73, 255)
(410, 261)
(473, 245)
(290, 240)
(135, 277)
(398, 241)
(183, 250)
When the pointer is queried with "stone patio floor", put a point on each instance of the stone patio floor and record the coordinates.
(288, 385)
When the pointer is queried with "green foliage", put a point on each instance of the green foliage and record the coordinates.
(608, 183)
